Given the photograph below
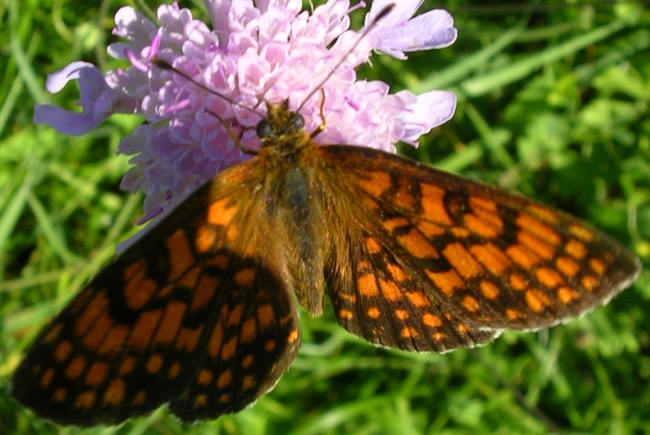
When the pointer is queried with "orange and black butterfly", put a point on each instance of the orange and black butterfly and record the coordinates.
(200, 312)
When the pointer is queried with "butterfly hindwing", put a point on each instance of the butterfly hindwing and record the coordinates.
(254, 340)
(377, 298)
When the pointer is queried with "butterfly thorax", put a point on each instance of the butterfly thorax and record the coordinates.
(290, 189)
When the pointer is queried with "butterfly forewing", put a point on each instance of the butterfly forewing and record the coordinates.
(188, 315)
(489, 259)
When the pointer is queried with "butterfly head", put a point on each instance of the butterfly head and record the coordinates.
(282, 127)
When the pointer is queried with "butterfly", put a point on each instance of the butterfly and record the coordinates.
(199, 313)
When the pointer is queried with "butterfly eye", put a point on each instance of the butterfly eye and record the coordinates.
(297, 122)
(264, 129)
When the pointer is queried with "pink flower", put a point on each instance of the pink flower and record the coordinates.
(255, 52)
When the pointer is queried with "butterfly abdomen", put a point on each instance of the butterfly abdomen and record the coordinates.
(296, 210)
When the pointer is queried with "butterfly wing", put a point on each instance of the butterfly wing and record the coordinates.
(376, 297)
(187, 315)
(254, 341)
(484, 259)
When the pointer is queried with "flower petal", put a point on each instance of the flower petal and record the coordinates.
(424, 32)
(397, 32)
(97, 100)
(428, 111)
(57, 80)
(402, 11)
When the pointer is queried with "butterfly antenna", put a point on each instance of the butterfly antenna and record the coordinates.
(381, 15)
(163, 64)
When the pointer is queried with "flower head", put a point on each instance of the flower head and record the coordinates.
(252, 52)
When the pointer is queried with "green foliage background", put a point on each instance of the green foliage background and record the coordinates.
(554, 100)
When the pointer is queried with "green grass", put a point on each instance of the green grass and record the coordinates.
(554, 103)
